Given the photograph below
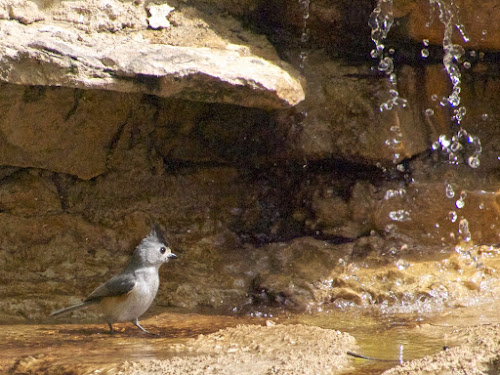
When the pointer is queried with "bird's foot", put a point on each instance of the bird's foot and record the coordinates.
(136, 323)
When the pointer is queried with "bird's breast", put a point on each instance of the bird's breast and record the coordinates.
(137, 301)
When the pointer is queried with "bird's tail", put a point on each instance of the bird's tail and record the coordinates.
(71, 308)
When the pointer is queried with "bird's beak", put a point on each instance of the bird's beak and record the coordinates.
(172, 256)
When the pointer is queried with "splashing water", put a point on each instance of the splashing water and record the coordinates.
(461, 148)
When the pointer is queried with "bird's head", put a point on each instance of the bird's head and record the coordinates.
(153, 250)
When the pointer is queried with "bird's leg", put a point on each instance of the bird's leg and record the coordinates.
(136, 323)
(111, 331)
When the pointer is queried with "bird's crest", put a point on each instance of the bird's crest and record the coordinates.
(157, 234)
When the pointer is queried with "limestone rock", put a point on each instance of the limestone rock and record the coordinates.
(23, 11)
(95, 15)
(340, 26)
(479, 20)
(158, 16)
(59, 129)
(61, 55)
(26, 194)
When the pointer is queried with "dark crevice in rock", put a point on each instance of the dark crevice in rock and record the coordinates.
(77, 94)
(61, 190)
(337, 240)
(7, 172)
(283, 194)
(179, 167)
(116, 138)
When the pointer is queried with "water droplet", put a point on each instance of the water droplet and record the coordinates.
(484, 32)
(467, 65)
(473, 161)
(444, 141)
(399, 215)
(481, 206)
(424, 53)
(305, 36)
(386, 65)
(434, 97)
(463, 229)
(402, 264)
(452, 216)
(389, 194)
(450, 193)
(390, 228)
(425, 42)
(429, 112)
(484, 116)
(455, 146)
(459, 203)
(472, 53)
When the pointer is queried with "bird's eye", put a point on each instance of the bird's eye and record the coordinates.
(163, 249)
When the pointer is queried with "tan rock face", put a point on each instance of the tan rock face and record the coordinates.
(479, 22)
(61, 130)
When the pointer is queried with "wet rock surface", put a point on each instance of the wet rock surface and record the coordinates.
(477, 355)
(244, 348)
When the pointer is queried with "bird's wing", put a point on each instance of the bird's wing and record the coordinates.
(116, 286)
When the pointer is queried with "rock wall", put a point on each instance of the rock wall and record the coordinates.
(263, 155)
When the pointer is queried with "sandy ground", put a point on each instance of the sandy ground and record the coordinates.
(213, 344)
(237, 349)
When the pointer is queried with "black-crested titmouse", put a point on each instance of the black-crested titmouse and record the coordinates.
(128, 295)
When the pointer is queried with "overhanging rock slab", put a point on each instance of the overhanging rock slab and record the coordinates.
(54, 55)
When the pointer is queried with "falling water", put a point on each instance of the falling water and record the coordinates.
(304, 35)
(448, 15)
(381, 21)
(463, 147)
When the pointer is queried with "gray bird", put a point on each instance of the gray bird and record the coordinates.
(127, 296)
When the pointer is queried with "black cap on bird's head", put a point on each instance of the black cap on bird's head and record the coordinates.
(157, 233)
